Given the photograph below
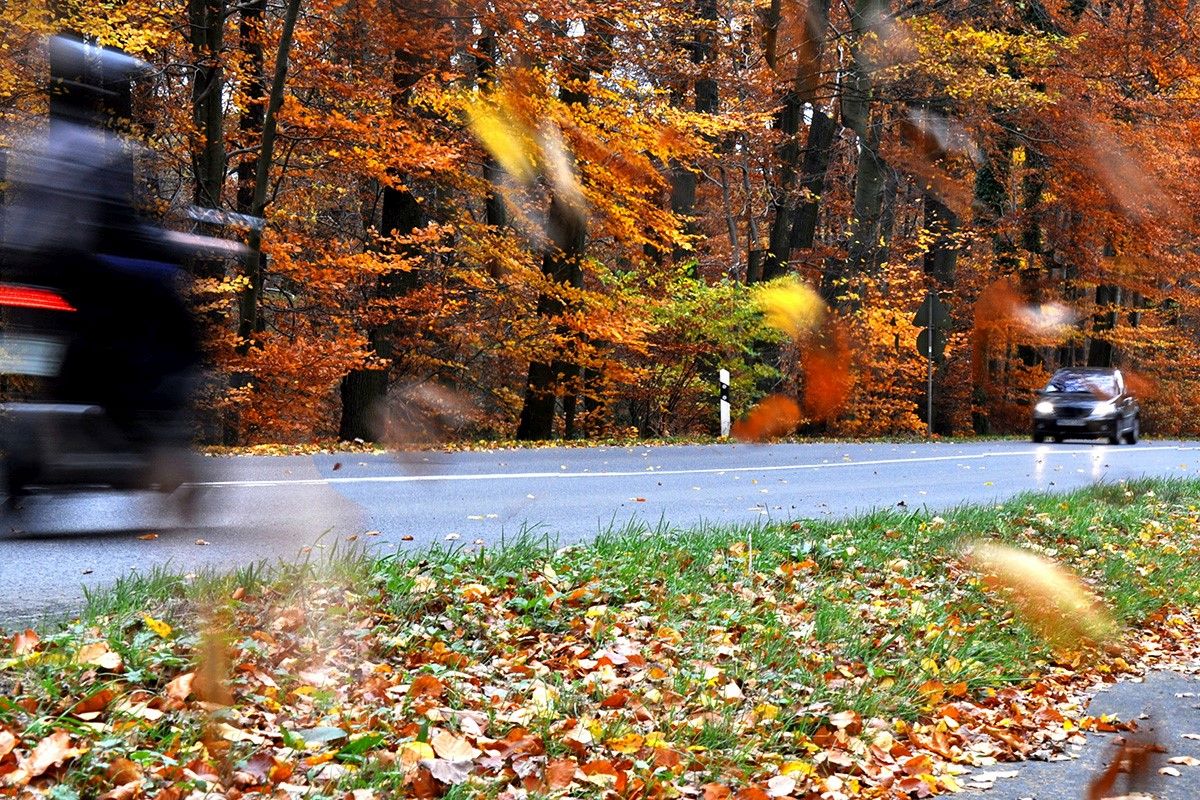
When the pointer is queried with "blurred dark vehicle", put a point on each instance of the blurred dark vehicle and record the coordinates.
(99, 351)
(1087, 403)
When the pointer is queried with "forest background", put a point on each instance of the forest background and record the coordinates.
(540, 219)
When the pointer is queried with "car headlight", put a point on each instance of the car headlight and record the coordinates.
(1104, 409)
(1044, 407)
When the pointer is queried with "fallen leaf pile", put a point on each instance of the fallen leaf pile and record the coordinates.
(805, 664)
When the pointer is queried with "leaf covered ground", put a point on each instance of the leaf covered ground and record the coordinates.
(863, 658)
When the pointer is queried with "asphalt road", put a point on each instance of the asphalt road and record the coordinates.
(269, 508)
(1166, 708)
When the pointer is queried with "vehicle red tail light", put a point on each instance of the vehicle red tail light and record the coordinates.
(32, 297)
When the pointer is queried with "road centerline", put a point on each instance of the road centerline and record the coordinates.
(368, 479)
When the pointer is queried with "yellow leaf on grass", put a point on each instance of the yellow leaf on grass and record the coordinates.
(157, 625)
(628, 744)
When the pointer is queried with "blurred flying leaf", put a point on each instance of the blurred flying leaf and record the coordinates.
(1134, 759)
(792, 306)
(1047, 597)
(775, 416)
(828, 378)
(213, 668)
(509, 141)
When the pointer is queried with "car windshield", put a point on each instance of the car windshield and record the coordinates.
(1085, 383)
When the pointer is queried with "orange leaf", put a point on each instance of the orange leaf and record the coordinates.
(25, 642)
(560, 773)
(426, 686)
(122, 771)
(715, 791)
(50, 751)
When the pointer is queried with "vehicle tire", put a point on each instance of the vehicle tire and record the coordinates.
(1058, 439)
(1115, 436)
(1135, 431)
(1038, 438)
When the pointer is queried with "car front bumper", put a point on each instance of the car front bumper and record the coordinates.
(1076, 428)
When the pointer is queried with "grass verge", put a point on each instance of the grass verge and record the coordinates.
(812, 659)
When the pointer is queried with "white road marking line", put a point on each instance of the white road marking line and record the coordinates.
(697, 471)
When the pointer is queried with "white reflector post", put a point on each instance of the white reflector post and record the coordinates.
(724, 403)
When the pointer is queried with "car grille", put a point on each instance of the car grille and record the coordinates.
(1070, 412)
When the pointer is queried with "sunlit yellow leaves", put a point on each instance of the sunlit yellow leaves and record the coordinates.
(1053, 601)
(524, 143)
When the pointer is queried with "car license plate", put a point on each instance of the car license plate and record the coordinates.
(1073, 422)
(30, 354)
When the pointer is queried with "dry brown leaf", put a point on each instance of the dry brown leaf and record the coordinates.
(122, 771)
(7, 742)
(448, 772)
(124, 791)
(180, 687)
(211, 681)
(49, 752)
(98, 654)
(452, 748)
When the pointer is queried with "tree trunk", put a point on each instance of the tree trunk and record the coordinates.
(562, 263)
(251, 298)
(364, 391)
(871, 174)
(817, 153)
(940, 262)
(706, 101)
(496, 213)
(1101, 352)
(802, 95)
(206, 20)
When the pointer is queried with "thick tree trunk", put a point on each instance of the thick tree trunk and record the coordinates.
(706, 101)
(940, 262)
(561, 263)
(486, 59)
(206, 19)
(1101, 352)
(817, 153)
